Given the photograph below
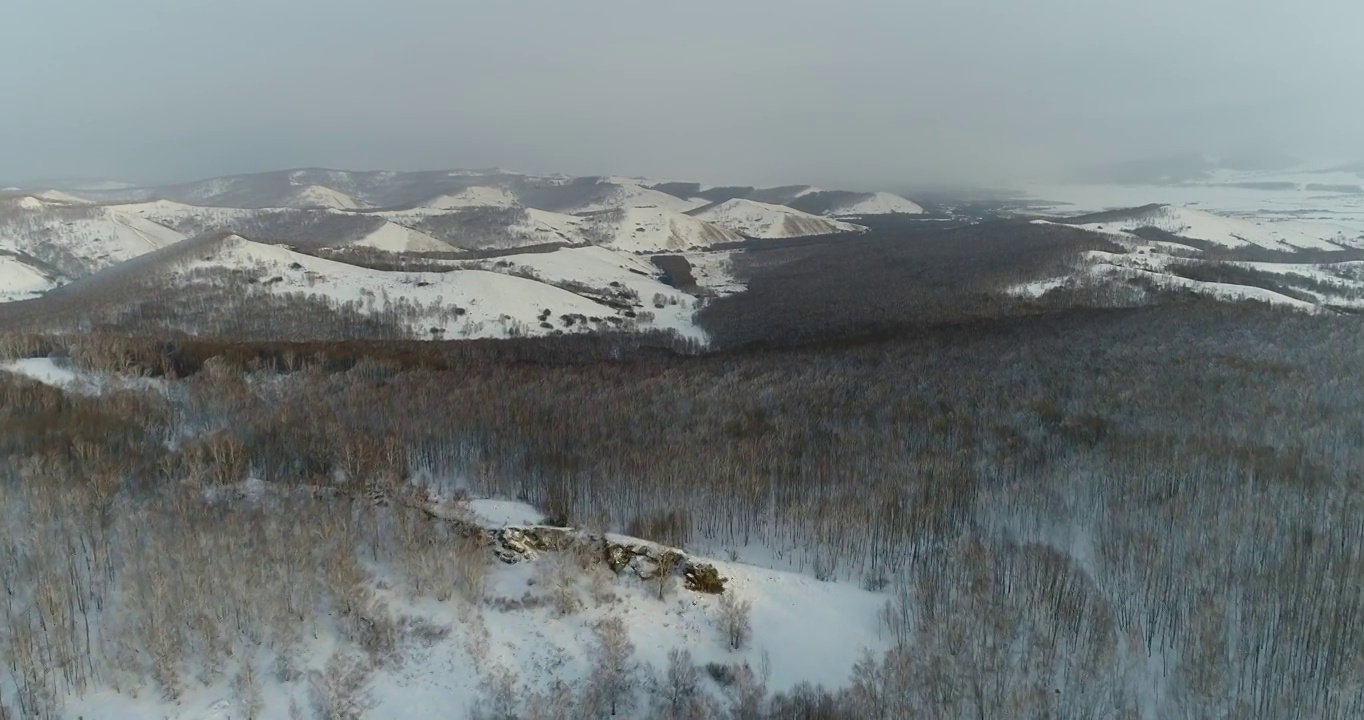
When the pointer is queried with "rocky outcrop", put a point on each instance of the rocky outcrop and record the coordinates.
(645, 560)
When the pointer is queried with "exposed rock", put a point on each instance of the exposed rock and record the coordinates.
(516, 544)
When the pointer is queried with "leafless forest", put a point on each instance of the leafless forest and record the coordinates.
(1083, 506)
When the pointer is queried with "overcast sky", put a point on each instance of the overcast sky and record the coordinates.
(850, 92)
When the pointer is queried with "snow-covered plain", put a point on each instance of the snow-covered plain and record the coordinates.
(1343, 209)
(1233, 232)
(320, 196)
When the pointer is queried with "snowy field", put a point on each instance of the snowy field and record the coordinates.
(1331, 207)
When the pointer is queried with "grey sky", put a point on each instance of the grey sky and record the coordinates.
(851, 93)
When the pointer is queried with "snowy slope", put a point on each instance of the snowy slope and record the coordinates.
(543, 226)
(605, 270)
(319, 196)
(21, 281)
(803, 630)
(174, 214)
(63, 197)
(79, 240)
(493, 304)
(880, 203)
(1285, 235)
(629, 193)
(641, 229)
(392, 237)
(760, 220)
(477, 196)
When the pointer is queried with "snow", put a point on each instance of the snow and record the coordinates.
(44, 370)
(99, 236)
(495, 304)
(715, 271)
(58, 373)
(804, 630)
(499, 513)
(320, 196)
(61, 197)
(1250, 203)
(1148, 260)
(880, 203)
(655, 228)
(477, 196)
(1038, 288)
(543, 226)
(628, 193)
(1285, 235)
(21, 281)
(392, 237)
(761, 220)
(599, 268)
(170, 213)
(30, 203)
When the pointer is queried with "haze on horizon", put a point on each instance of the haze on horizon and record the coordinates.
(856, 94)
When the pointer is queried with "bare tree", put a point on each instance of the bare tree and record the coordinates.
(341, 690)
(610, 687)
(733, 619)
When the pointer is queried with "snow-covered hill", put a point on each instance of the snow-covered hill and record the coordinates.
(761, 220)
(319, 196)
(79, 239)
(628, 194)
(651, 229)
(63, 197)
(476, 196)
(391, 237)
(463, 303)
(20, 280)
(879, 203)
(605, 270)
(1227, 231)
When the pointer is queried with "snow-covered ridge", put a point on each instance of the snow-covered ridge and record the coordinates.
(1231, 232)
(628, 193)
(761, 220)
(879, 203)
(80, 239)
(479, 299)
(320, 196)
(649, 229)
(21, 281)
(476, 196)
